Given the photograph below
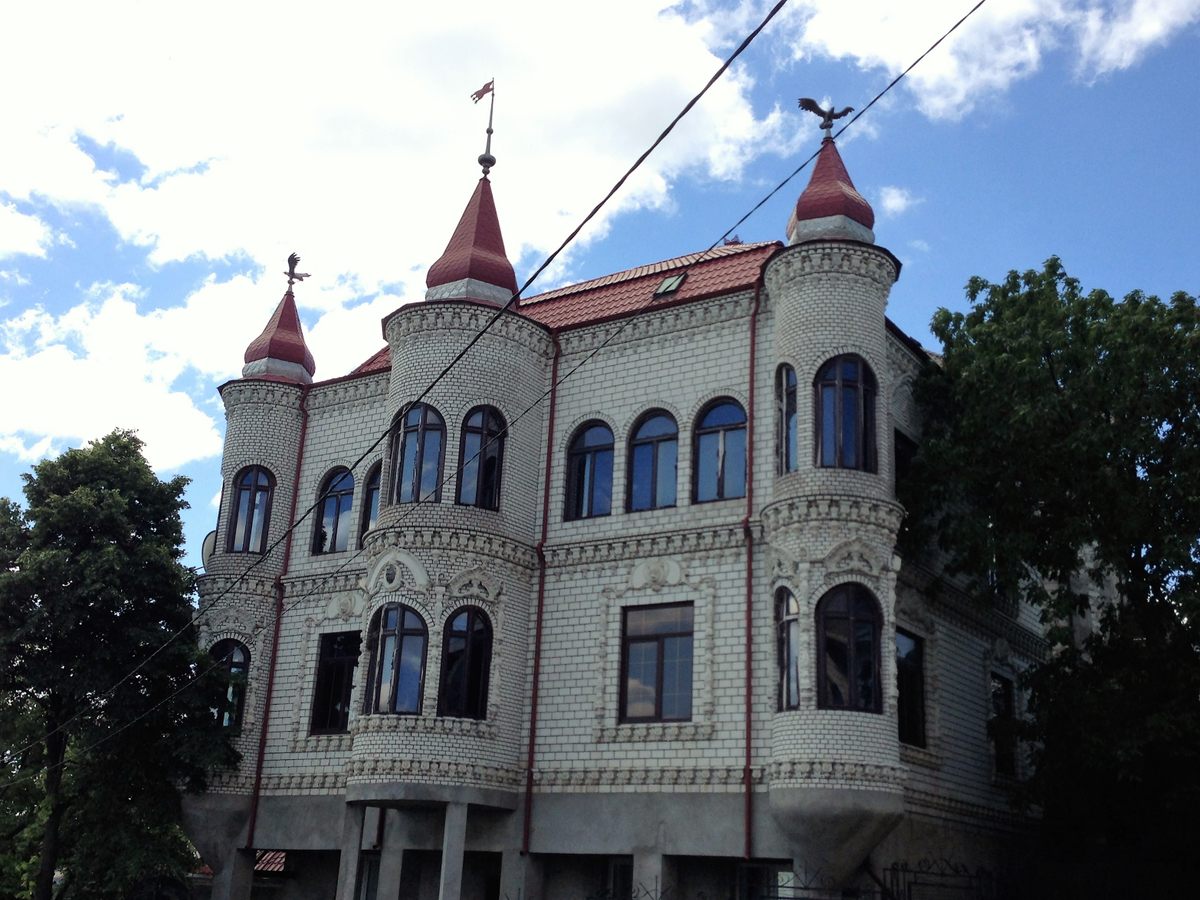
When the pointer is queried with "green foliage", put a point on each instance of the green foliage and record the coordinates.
(91, 584)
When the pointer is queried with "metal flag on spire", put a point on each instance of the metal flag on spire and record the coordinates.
(483, 91)
(485, 158)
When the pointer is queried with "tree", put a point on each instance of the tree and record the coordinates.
(91, 585)
(1061, 462)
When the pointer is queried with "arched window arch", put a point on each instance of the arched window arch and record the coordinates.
(787, 436)
(481, 456)
(253, 490)
(589, 471)
(719, 457)
(466, 662)
(844, 413)
(787, 623)
(396, 674)
(233, 662)
(848, 633)
(418, 442)
(370, 513)
(653, 453)
(334, 524)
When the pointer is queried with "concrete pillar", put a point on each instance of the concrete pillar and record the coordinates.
(520, 876)
(454, 839)
(233, 880)
(352, 830)
(391, 857)
(652, 876)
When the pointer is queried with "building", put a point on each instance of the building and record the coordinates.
(637, 631)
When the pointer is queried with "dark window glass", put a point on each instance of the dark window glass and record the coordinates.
(720, 452)
(652, 462)
(787, 612)
(397, 670)
(786, 419)
(1002, 725)
(481, 457)
(466, 661)
(418, 441)
(844, 397)
(336, 661)
(589, 472)
(333, 526)
(656, 667)
(370, 514)
(910, 685)
(848, 631)
(253, 490)
(233, 662)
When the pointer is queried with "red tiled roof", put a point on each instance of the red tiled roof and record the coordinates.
(283, 338)
(830, 191)
(476, 249)
(381, 361)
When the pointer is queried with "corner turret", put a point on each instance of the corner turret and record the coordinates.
(280, 353)
(831, 208)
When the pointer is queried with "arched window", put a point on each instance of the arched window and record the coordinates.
(233, 662)
(848, 631)
(652, 462)
(396, 673)
(786, 442)
(253, 489)
(466, 660)
(370, 513)
(481, 456)
(719, 459)
(844, 413)
(787, 621)
(333, 527)
(418, 441)
(589, 472)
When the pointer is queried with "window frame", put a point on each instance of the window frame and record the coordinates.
(788, 642)
(787, 415)
(581, 461)
(1003, 739)
(854, 593)
(658, 639)
(326, 662)
(342, 518)
(236, 680)
(866, 391)
(491, 444)
(473, 708)
(902, 704)
(372, 495)
(431, 420)
(654, 442)
(253, 490)
(376, 635)
(700, 431)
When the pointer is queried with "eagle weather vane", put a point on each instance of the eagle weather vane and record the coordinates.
(291, 273)
(827, 115)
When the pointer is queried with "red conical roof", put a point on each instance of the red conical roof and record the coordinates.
(283, 338)
(830, 191)
(476, 250)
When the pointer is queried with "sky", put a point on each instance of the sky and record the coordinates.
(159, 161)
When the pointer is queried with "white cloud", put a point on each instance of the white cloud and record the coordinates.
(919, 245)
(896, 200)
(22, 234)
(1118, 36)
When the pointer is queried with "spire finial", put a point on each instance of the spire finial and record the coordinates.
(827, 115)
(292, 275)
(485, 158)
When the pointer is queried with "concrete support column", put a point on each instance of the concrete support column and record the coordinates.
(233, 880)
(352, 829)
(391, 857)
(454, 839)
(520, 876)
(652, 876)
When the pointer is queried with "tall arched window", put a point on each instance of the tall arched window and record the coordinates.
(787, 622)
(589, 472)
(333, 527)
(652, 462)
(396, 674)
(848, 632)
(844, 413)
(253, 489)
(786, 440)
(466, 661)
(719, 457)
(481, 456)
(370, 513)
(418, 442)
(233, 662)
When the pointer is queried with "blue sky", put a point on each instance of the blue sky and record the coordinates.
(158, 166)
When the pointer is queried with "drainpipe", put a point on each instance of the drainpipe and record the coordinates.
(748, 535)
(287, 558)
(527, 823)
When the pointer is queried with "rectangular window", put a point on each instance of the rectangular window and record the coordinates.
(1001, 726)
(910, 684)
(336, 662)
(656, 663)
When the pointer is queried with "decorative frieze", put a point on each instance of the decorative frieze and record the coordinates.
(416, 318)
(656, 323)
(702, 541)
(831, 258)
(821, 773)
(696, 777)
(439, 771)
